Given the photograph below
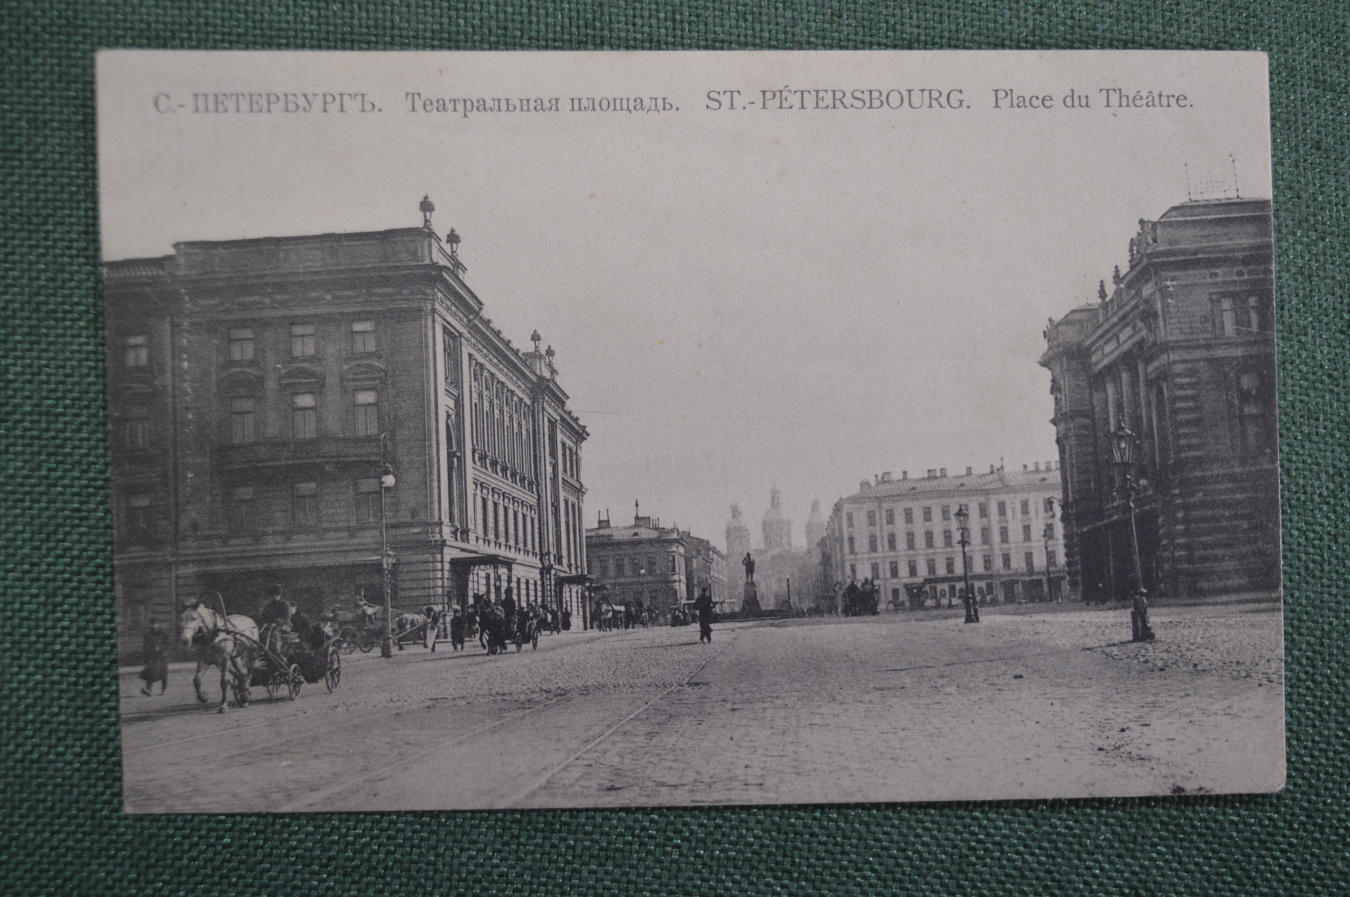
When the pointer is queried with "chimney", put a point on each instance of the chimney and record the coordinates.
(967, 471)
(931, 473)
(943, 472)
(1024, 468)
(991, 468)
(886, 477)
(1037, 466)
(876, 478)
(863, 486)
(904, 474)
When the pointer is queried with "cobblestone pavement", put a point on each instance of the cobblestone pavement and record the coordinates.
(879, 709)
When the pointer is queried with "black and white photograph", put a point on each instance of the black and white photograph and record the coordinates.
(583, 429)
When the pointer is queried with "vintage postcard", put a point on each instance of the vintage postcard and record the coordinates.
(509, 430)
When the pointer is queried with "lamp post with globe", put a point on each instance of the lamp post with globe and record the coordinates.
(1124, 445)
(387, 482)
(963, 530)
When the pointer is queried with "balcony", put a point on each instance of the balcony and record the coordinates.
(277, 453)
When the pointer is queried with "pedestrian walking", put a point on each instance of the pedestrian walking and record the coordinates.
(703, 606)
(156, 651)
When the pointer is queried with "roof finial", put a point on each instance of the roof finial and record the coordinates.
(427, 207)
(535, 338)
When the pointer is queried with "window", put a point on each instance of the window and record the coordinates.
(984, 510)
(932, 567)
(1030, 561)
(368, 500)
(890, 516)
(138, 351)
(895, 569)
(302, 341)
(876, 572)
(1050, 558)
(928, 515)
(242, 518)
(138, 516)
(1026, 507)
(1253, 429)
(496, 521)
(1007, 562)
(913, 569)
(988, 563)
(367, 412)
(673, 563)
(890, 541)
(649, 564)
(241, 344)
(871, 518)
(852, 549)
(363, 337)
(909, 541)
(243, 421)
(848, 519)
(852, 571)
(984, 535)
(137, 429)
(1003, 509)
(909, 515)
(946, 538)
(951, 566)
(604, 567)
(946, 512)
(304, 415)
(619, 567)
(872, 543)
(305, 505)
(1049, 531)
(1049, 506)
(1026, 532)
(1003, 534)
(928, 539)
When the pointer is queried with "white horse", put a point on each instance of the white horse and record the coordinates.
(216, 640)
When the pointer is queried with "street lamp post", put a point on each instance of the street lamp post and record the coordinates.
(963, 529)
(386, 483)
(1123, 446)
(1049, 535)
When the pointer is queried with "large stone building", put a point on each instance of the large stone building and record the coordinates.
(1181, 353)
(259, 387)
(650, 567)
(903, 536)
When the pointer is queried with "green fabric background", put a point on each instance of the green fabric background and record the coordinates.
(64, 832)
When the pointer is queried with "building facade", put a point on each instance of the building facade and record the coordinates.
(650, 567)
(786, 578)
(1181, 353)
(903, 536)
(259, 389)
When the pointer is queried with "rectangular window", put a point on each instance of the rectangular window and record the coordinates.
(138, 516)
(852, 549)
(890, 541)
(928, 539)
(619, 567)
(946, 512)
(928, 515)
(1026, 532)
(305, 505)
(243, 421)
(876, 572)
(302, 341)
(890, 516)
(913, 569)
(604, 567)
(895, 569)
(1050, 558)
(909, 515)
(932, 566)
(848, 519)
(852, 571)
(485, 518)
(871, 518)
(984, 510)
(363, 337)
(137, 429)
(988, 563)
(951, 566)
(946, 538)
(909, 541)
(1003, 534)
(368, 500)
(984, 535)
(1026, 507)
(1003, 509)
(241, 344)
(674, 568)
(496, 521)
(872, 543)
(138, 351)
(1007, 562)
(304, 415)
(1049, 506)
(367, 412)
(242, 518)
(1030, 561)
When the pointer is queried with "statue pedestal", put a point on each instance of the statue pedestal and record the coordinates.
(750, 601)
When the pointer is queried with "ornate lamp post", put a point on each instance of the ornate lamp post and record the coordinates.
(1123, 446)
(1049, 535)
(386, 558)
(963, 529)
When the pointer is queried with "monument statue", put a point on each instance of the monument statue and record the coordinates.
(749, 564)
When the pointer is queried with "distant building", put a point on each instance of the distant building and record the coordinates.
(1181, 351)
(903, 536)
(650, 567)
(256, 386)
(785, 577)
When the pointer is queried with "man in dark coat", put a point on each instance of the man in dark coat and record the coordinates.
(155, 649)
(703, 606)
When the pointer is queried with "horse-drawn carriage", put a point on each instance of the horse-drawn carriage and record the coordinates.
(279, 660)
(360, 627)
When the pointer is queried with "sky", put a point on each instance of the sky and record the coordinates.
(737, 298)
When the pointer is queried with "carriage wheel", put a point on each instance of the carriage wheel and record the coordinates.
(333, 675)
(274, 684)
(366, 643)
(294, 681)
(347, 640)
